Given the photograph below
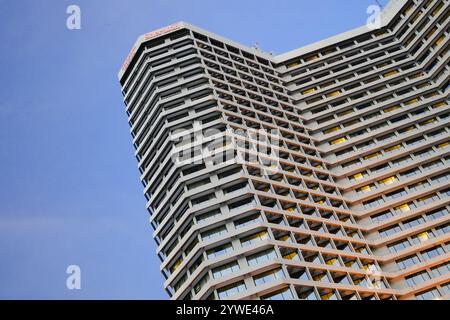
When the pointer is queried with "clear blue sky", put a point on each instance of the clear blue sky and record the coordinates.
(69, 184)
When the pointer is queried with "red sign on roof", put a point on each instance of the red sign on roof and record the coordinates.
(146, 37)
(161, 31)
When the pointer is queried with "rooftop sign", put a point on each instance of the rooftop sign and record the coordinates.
(146, 37)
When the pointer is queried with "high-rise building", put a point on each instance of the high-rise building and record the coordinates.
(321, 173)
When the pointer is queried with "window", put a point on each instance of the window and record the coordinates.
(261, 257)
(333, 94)
(321, 277)
(437, 213)
(397, 146)
(333, 261)
(380, 168)
(440, 40)
(254, 238)
(446, 288)
(443, 229)
(373, 203)
(367, 188)
(410, 173)
(389, 231)
(210, 234)
(307, 294)
(292, 256)
(413, 222)
(333, 129)
(225, 270)
(398, 246)
(443, 145)
(417, 278)
(427, 199)
(357, 176)
(199, 285)
(441, 269)
(372, 155)
(389, 180)
(445, 192)
(381, 216)
(231, 290)
(218, 251)
(208, 216)
(390, 109)
(284, 294)
(432, 253)
(406, 207)
(268, 277)
(248, 220)
(329, 296)
(308, 91)
(390, 74)
(418, 185)
(408, 262)
(240, 204)
(395, 194)
(428, 295)
(338, 141)
(176, 265)
(422, 237)
(401, 161)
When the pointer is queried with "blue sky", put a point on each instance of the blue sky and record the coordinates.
(69, 184)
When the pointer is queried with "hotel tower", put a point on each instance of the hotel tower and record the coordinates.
(321, 173)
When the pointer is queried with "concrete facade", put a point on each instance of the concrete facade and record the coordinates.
(321, 173)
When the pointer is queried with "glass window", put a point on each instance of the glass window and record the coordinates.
(338, 141)
(248, 220)
(428, 295)
(396, 147)
(389, 231)
(381, 216)
(437, 213)
(231, 290)
(213, 233)
(263, 235)
(398, 246)
(389, 180)
(422, 237)
(268, 277)
(218, 251)
(443, 229)
(406, 207)
(225, 270)
(432, 253)
(441, 269)
(413, 222)
(367, 188)
(408, 262)
(284, 294)
(292, 256)
(395, 194)
(417, 278)
(199, 285)
(373, 203)
(261, 257)
(208, 216)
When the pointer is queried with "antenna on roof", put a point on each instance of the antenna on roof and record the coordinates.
(256, 46)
